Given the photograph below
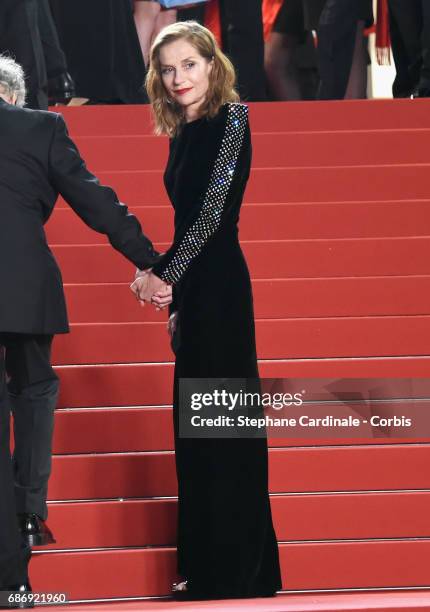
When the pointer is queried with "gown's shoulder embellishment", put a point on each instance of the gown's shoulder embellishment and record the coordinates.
(221, 178)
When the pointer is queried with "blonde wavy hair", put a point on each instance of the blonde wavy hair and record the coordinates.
(168, 115)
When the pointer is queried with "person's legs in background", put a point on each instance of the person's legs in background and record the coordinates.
(307, 66)
(33, 392)
(60, 84)
(165, 18)
(408, 16)
(287, 34)
(20, 37)
(243, 42)
(14, 556)
(146, 13)
(403, 85)
(357, 84)
(336, 42)
(280, 68)
(102, 48)
(424, 84)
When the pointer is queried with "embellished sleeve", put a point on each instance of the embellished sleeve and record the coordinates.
(205, 223)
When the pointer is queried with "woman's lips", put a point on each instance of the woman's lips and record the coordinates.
(181, 92)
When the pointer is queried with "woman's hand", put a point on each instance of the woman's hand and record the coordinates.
(162, 298)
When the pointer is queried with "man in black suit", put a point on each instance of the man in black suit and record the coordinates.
(38, 161)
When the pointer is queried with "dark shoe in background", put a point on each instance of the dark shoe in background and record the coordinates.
(34, 531)
(61, 89)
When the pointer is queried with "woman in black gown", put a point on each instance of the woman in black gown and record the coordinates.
(226, 542)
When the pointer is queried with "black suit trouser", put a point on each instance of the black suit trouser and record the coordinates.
(403, 84)
(20, 37)
(412, 19)
(243, 42)
(336, 41)
(13, 557)
(55, 59)
(33, 392)
(28, 33)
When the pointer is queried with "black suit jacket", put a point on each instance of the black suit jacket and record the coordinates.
(38, 161)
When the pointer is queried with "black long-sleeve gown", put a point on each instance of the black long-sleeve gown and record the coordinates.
(226, 542)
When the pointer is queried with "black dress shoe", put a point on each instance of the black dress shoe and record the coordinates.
(61, 89)
(34, 531)
(15, 597)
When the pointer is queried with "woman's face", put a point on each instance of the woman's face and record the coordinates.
(185, 74)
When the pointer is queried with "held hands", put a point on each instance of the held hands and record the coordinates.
(147, 287)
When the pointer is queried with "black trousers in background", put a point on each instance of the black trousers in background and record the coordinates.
(243, 42)
(102, 49)
(411, 22)
(404, 83)
(27, 32)
(336, 42)
(55, 59)
(33, 392)
(13, 556)
(20, 38)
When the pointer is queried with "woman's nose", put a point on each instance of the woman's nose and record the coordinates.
(179, 77)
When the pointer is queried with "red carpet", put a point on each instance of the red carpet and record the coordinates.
(336, 229)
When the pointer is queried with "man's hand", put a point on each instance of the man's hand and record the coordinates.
(148, 286)
(136, 286)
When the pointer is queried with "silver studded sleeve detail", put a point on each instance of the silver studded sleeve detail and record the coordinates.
(219, 184)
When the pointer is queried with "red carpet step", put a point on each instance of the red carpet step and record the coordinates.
(151, 384)
(348, 148)
(148, 428)
(281, 222)
(273, 299)
(151, 571)
(299, 469)
(295, 338)
(272, 117)
(280, 185)
(288, 259)
(105, 524)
